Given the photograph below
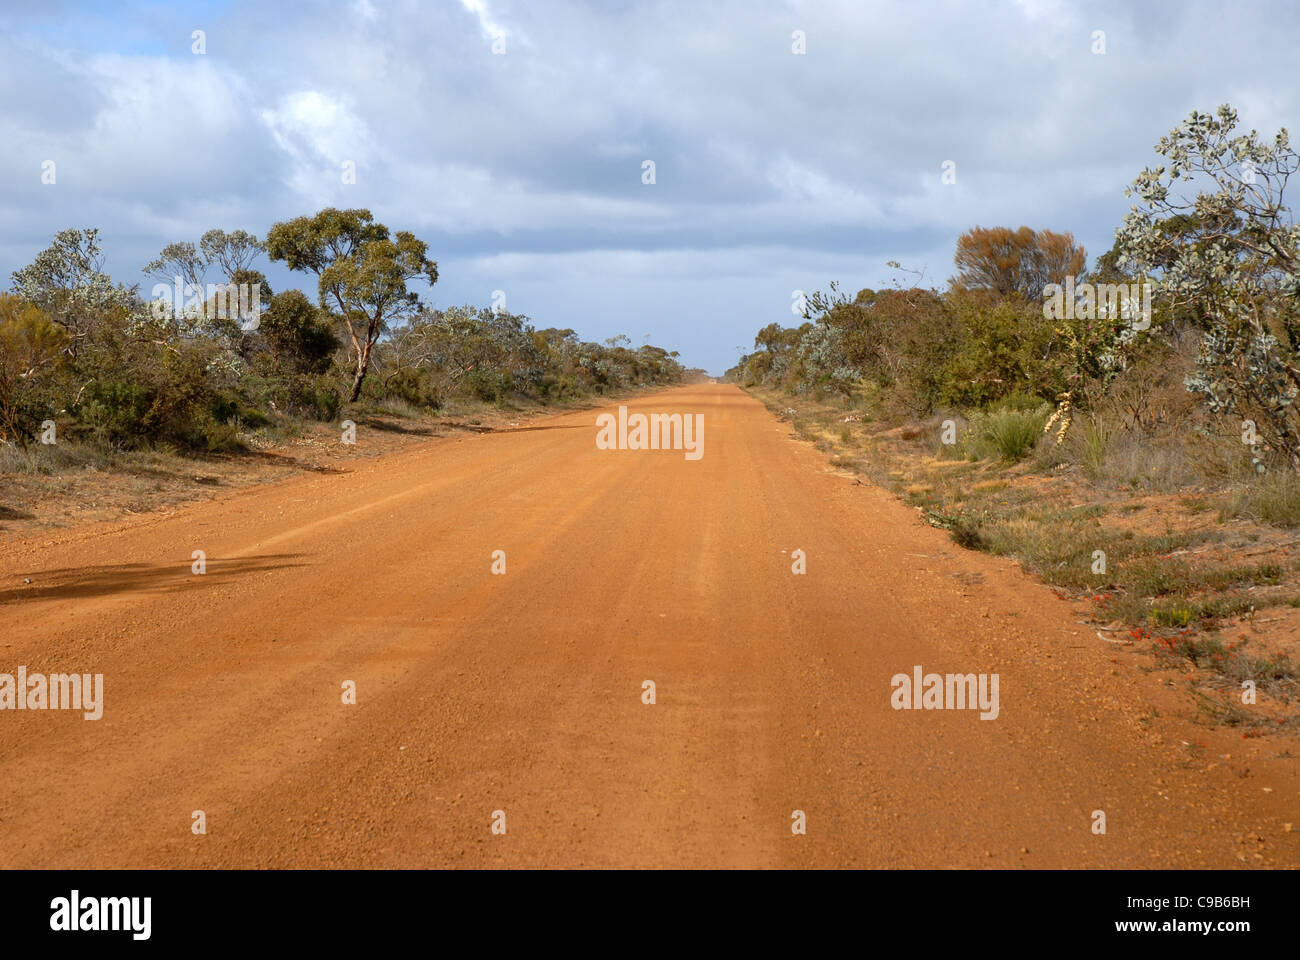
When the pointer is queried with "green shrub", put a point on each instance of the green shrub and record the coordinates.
(1006, 350)
(413, 388)
(318, 397)
(156, 395)
(297, 335)
(116, 411)
(490, 386)
(1007, 434)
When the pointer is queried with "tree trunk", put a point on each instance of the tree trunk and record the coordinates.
(363, 364)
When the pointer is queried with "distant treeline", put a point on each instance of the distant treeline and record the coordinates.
(213, 350)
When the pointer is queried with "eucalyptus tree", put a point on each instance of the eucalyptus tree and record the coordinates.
(362, 271)
(1227, 255)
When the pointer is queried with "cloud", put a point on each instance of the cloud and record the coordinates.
(319, 135)
(492, 29)
(773, 170)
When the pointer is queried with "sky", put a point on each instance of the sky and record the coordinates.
(513, 137)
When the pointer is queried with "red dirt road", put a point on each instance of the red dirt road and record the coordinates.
(522, 693)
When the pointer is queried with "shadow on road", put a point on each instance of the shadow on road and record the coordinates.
(557, 426)
(102, 581)
(475, 428)
(389, 427)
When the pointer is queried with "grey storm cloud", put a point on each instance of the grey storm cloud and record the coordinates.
(774, 171)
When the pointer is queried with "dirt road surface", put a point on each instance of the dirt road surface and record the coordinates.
(522, 693)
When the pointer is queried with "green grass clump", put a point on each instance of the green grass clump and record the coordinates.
(1006, 434)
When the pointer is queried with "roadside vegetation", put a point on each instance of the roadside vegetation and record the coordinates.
(215, 366)
(1129, 432)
